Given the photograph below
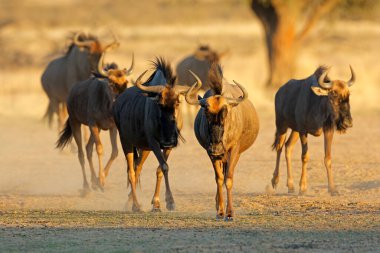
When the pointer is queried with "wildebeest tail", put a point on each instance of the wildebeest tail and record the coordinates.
(65, 136)
(276, 143)
(49, 113)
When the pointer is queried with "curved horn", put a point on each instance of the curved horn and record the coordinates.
(191, 93)
(114, 44)
(321, 80)
(129, 71)
(236, 101)
(152, 89)
(81, 43)
(100, 66)
(353, 78)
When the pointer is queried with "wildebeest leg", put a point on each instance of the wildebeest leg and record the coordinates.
(289, 145)
(89, 149)
(232, 161)
(143, 156)
(328, 136)
(113, 137)
(219, 178)
(156, 196)
(279, 146)
(99, 150)
(132, 181)
(170, 205)
(138, 168)
(305, 159)
(76, 126)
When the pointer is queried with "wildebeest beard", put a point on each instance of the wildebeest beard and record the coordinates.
(216, 148)
(168, 133)
(339, 116)
(215, 132)
(118, 89)
(344, 119)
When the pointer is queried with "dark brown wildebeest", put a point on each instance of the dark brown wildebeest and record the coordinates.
(199, 63)
(225, 126)
(90, 103)
(76, 65)
(148, 118)
(310, 106)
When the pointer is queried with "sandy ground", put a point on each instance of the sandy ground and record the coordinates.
(41, 209)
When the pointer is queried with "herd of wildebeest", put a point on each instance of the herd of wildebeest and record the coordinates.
(147, 115)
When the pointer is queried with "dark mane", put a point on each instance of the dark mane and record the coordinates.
(215, 76)
(319, 71)
(82, 37)
(204, 48)
(161, 64)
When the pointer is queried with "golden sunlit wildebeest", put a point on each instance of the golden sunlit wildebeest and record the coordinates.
(199, 63)
(90, 103)
(314, 105)
(76, 65)
(225, 126)
(148, 118)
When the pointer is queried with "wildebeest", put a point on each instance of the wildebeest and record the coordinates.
(76, 65)
(199, 63)
(148, 118)
(310, 106)
(225, 126)
(90, 103)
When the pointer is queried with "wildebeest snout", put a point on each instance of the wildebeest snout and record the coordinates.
(216, 150)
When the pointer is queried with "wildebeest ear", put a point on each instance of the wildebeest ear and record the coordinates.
(319, 91)
(180, 97)
(202, 102)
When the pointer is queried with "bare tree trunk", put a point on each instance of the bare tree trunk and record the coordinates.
(279, 19)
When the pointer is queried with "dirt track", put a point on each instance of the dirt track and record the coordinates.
(41, 211)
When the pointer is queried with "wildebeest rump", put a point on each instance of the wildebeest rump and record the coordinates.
(90, 103)
(225, 126)
(310, 106)
(199, 63)
(76, 65)
(148, 118)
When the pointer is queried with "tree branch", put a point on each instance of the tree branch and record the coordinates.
(320, 10)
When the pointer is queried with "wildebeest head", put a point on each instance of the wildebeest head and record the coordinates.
(216, 108)
(168, 98)
(117, 77)
(204, 52)
(339, 94)
(93, 47)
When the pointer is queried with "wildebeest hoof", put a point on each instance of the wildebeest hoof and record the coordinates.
(136, 208)
(156, 210)
(229, 218)
(219, 217)
(302, 193)
(274, 183)
(170, 206)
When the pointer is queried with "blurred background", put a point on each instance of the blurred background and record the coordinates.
(299, 34)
